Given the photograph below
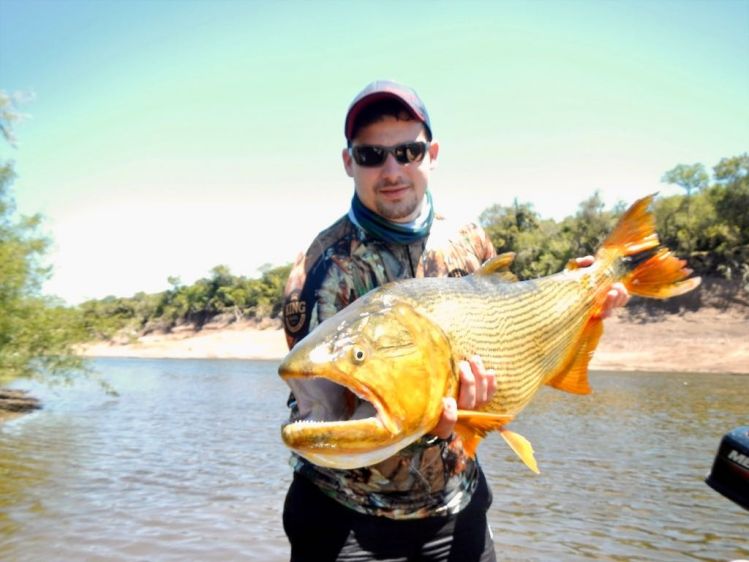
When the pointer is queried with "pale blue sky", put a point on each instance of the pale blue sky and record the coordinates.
(167, 137)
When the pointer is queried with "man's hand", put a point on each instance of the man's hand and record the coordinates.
(617, 295)
(475, 389)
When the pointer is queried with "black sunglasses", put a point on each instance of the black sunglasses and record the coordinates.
(371, 155)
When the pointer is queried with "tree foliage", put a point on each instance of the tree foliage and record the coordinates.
(37, 333)
(689, 177)
(543, 246)
(708, 225)
(220, 295)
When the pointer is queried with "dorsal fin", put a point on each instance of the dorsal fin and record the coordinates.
(499, 266)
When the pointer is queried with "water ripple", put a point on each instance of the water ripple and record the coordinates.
(187, 464)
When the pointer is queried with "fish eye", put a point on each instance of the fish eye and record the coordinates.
(358, 354)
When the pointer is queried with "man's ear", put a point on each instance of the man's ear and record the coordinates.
(348, 162)
(434, 149)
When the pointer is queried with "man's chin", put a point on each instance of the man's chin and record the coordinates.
(398, 212)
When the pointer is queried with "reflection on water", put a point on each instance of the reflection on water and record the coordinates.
(187, 464)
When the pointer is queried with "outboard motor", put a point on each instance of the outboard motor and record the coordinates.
(730, 472)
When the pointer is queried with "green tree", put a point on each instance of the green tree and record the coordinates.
(37, 333)
(590, 226)
(732, 193)
(690, 177)
(518, 228)
(730, 196)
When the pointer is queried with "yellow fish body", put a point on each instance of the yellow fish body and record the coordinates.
(370, 380)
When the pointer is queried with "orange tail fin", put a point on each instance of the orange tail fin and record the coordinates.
(661, 275)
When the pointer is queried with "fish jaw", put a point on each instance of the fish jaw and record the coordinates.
(344, 444)
(383, 356)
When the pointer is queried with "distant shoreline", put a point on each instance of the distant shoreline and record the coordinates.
(707, 340)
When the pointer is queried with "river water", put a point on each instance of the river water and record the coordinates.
(187, 464)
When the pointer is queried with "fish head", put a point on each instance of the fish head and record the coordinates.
(368, 382)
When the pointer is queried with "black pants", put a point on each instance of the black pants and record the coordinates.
(321, 530)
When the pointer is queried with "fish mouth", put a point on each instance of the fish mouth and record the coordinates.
(326, 401)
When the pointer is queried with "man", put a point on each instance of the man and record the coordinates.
(428, 501)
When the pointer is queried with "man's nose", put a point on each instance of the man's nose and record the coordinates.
(391, 166)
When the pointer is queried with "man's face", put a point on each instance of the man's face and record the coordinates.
(393, 190)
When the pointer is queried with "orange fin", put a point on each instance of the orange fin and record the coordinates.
(522, 448)
(473, 426)
(661, 275)
(499, 266)
(575, 378)
(635, 231)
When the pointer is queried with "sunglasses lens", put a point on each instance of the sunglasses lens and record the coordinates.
(368, 155)
(410, 152)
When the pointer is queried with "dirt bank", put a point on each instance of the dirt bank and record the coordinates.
(706, 340)
(709, 339)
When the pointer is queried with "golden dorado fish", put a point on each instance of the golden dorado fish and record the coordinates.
(398, 348)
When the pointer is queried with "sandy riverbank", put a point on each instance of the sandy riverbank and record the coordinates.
(708, 340)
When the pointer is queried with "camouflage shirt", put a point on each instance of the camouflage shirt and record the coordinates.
(432, 476)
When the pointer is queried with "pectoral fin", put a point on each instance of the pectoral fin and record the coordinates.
(473, 426)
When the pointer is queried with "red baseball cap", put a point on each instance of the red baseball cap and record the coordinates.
(384, 89)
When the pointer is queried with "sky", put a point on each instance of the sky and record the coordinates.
(162, 138)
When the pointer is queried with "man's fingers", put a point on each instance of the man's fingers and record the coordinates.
(445, 426)
(491, 384)
(481, 378)
(616, 297)
(467, 388)
(477, 384)
(622, 294)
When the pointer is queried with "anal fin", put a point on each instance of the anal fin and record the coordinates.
(575, 378)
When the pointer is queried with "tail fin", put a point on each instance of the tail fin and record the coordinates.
(661, 275)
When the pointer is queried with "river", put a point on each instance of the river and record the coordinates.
(187, 464)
